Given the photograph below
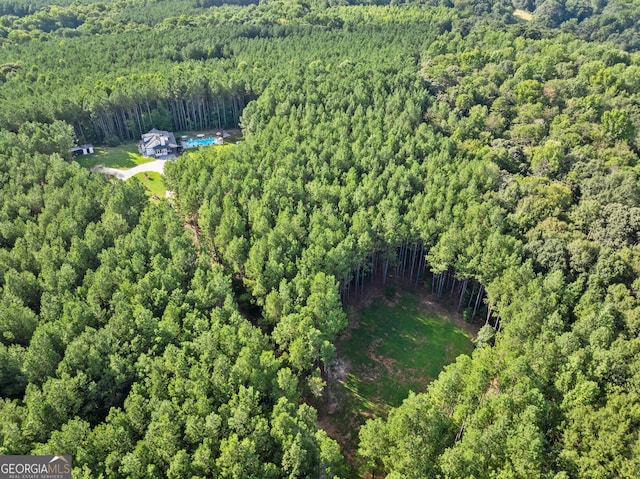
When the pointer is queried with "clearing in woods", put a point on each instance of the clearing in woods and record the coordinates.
(523, 15)
(390, 348)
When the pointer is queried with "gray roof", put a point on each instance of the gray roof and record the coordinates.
(159, 139)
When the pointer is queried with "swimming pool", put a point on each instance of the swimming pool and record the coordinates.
(195, 142)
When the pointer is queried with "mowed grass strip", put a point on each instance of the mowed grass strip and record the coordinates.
(398, 347)
(153, 182)
(122, 157)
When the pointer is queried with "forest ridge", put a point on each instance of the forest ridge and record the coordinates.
(497, 157)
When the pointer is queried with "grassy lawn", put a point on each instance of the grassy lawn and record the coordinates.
(397, 347)
(153, 183)
(122, 157)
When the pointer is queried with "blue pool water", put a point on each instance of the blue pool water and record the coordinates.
(193, 143)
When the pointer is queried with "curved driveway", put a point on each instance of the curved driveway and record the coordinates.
(157, 166)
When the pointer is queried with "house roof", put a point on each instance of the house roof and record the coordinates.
(159, 139)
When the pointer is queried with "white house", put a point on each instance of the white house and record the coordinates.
(158, 143)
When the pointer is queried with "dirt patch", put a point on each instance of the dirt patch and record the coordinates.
(523, 15)
(380, 360)
(336, 372)
(373, 347)
(369, 373)
(388, 364)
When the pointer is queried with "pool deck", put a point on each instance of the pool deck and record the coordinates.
(198, 142)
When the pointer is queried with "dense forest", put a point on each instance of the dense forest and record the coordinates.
(485, 159)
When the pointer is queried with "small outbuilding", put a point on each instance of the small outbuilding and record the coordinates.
(81, 150)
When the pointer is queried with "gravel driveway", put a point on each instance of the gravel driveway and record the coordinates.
(157, 166)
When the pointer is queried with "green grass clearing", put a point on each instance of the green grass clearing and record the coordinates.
(396, 348)
(122, 157)
(523, 15)
(153, 182)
